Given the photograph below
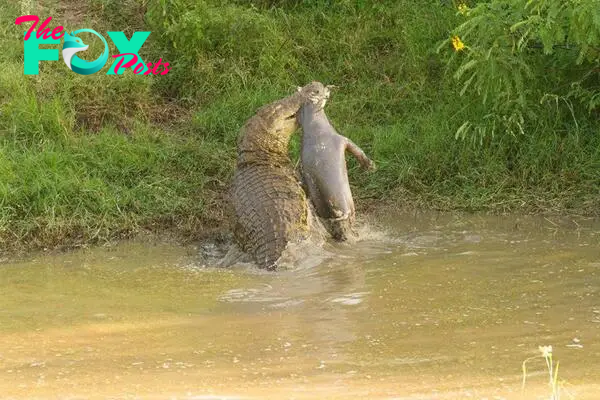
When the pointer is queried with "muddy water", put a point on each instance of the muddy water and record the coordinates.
(437, 307)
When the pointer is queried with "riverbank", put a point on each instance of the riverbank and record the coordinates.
(87, 159)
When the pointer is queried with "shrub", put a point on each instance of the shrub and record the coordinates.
(525, 58)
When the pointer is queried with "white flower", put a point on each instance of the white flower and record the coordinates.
(546, 351)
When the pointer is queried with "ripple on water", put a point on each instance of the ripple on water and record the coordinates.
(350, 299)
(262, 294)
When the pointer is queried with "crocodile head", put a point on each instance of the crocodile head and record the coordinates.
(317, 94)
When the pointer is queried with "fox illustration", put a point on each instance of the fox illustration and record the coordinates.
(72, 45)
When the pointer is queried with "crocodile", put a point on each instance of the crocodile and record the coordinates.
(269, 207)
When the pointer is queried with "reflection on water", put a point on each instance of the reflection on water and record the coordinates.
(440, 307)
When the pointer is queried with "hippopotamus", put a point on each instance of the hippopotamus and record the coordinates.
(323, 168)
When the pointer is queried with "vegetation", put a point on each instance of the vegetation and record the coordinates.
(508, 122)
(552, 368)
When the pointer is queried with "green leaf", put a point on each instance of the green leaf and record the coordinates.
(464, 68)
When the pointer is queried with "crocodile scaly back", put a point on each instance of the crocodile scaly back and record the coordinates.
(270, 209)
(269, 206)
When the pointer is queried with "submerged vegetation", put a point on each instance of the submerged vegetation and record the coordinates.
(489, 105)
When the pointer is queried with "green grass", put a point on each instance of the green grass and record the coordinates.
(86, 158)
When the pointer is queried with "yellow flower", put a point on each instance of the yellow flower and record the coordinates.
(457, 43)
(463, 8)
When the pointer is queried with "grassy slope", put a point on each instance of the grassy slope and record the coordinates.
(92, 157)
